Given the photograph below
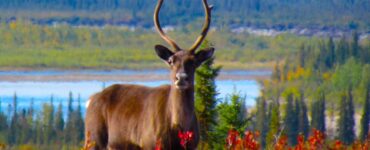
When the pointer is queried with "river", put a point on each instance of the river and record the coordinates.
(39, 86)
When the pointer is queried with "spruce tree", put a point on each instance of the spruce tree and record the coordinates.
(302, 55)
(59, 123)
(322, 57)
(342, 51)
(231, 115)
(70, 132)
(355, 47)
(46, 122)
(15, 103)
(318, 113)
(350, 118)
(330, 54)
(365, 118)
(74, 130)
(70, 104)
(31, 112)
(322, 116)
(205, 100)
(276, 74)
(365, 54)
(24, 128)
(290, 120)
(80, 126)
(50, 123)
(14, 123)
(261, 120)
(274, 124)
(3, 125)
(346, 122)
(341, 125)
(284, 74)
(38, 129)
(297, 111)
(303, 118)
(3, 120)
(31, 122)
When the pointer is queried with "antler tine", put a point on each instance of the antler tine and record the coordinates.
(159, 28)
(206, 25)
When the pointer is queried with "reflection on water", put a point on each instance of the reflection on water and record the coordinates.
(40, 92)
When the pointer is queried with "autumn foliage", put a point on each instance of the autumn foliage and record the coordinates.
(234, 141)
(249, 142)
(316, 141)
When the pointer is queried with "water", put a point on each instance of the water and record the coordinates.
(122, 72)
(40, 92)
(88, 72)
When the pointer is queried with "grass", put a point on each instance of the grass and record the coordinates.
(25, 45)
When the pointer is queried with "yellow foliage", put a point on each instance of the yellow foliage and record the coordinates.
(266, 83)
(307, 73)
(26, 147)
(326, 76)
(298, 73)
(13, 25)
(291, 90)
(290, 76)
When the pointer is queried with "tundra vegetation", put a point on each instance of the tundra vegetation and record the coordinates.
(27, 45)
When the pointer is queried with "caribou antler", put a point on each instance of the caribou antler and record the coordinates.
(159, 28)
(199, 40)
(206, 25)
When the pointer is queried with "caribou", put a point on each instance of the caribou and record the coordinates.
(126, 116)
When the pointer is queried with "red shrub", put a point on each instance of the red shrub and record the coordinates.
(300, 145)
(316, 140)
(250, 142)
(185, 137)
(232, 139)
(281, 143)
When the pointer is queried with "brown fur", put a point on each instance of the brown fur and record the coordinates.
(135, 117)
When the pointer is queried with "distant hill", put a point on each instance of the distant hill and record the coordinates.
(277, 14)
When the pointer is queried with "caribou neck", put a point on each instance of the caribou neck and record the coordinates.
(181, 104)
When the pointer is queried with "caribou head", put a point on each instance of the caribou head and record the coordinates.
(183, 62)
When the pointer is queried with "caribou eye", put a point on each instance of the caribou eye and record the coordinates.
(171, 61)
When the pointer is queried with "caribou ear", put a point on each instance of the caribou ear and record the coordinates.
(203, 55)
(163, 52)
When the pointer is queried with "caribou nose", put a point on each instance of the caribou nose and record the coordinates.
(181, 76)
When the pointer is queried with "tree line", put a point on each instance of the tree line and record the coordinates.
(47, 128)
(333, 77)
(280, 14)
